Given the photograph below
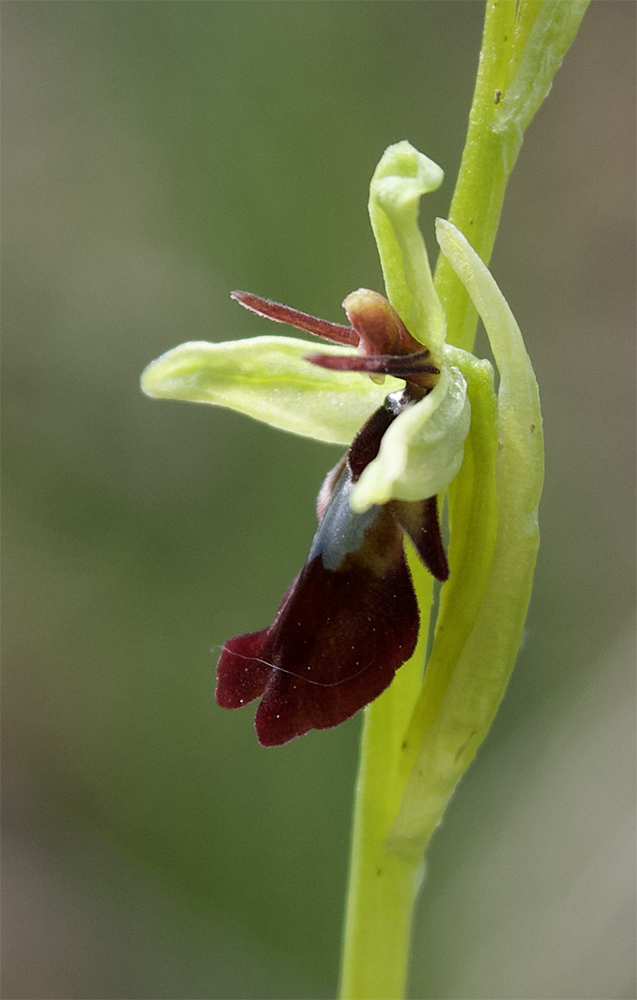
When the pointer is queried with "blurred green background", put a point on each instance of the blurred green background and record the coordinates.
(155, 156)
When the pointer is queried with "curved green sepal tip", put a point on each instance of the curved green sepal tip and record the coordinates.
(465, 681)
(402, 176)
(267, 378)
(519, 411)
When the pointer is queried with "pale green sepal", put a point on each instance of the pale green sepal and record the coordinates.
(473, 522)
(474, 686)
(402, 176)
(519, 412)
(267, 378)
(422, 449)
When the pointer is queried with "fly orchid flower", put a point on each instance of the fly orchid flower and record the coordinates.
(350, 618)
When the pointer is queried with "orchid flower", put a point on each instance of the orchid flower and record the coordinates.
(420, 418)
(350, 619)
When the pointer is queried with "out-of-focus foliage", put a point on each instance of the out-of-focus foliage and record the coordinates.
(156, 156)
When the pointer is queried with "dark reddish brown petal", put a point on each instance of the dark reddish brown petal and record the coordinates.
(365, 446)
(334, 332)
(419, 520)
(399, 365)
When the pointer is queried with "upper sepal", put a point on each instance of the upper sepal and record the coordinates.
(402, 176)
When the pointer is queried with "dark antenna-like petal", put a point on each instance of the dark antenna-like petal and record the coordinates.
(334, 332)
(407, 366)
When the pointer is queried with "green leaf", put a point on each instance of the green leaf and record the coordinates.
(267, 378)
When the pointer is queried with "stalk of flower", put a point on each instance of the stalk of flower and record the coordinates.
(408, 406)
(420, 418)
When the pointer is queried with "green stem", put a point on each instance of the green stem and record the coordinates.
(523, 46)
(484, 170)
(522, 49)
(382, 887)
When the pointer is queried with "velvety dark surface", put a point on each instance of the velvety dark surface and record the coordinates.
(346, 624)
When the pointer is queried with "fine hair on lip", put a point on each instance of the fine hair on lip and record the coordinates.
(290, 673)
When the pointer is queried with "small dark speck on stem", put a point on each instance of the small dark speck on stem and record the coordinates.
(464, 746)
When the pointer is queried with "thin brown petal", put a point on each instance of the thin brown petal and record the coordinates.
(334, 332)
(405, 366)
